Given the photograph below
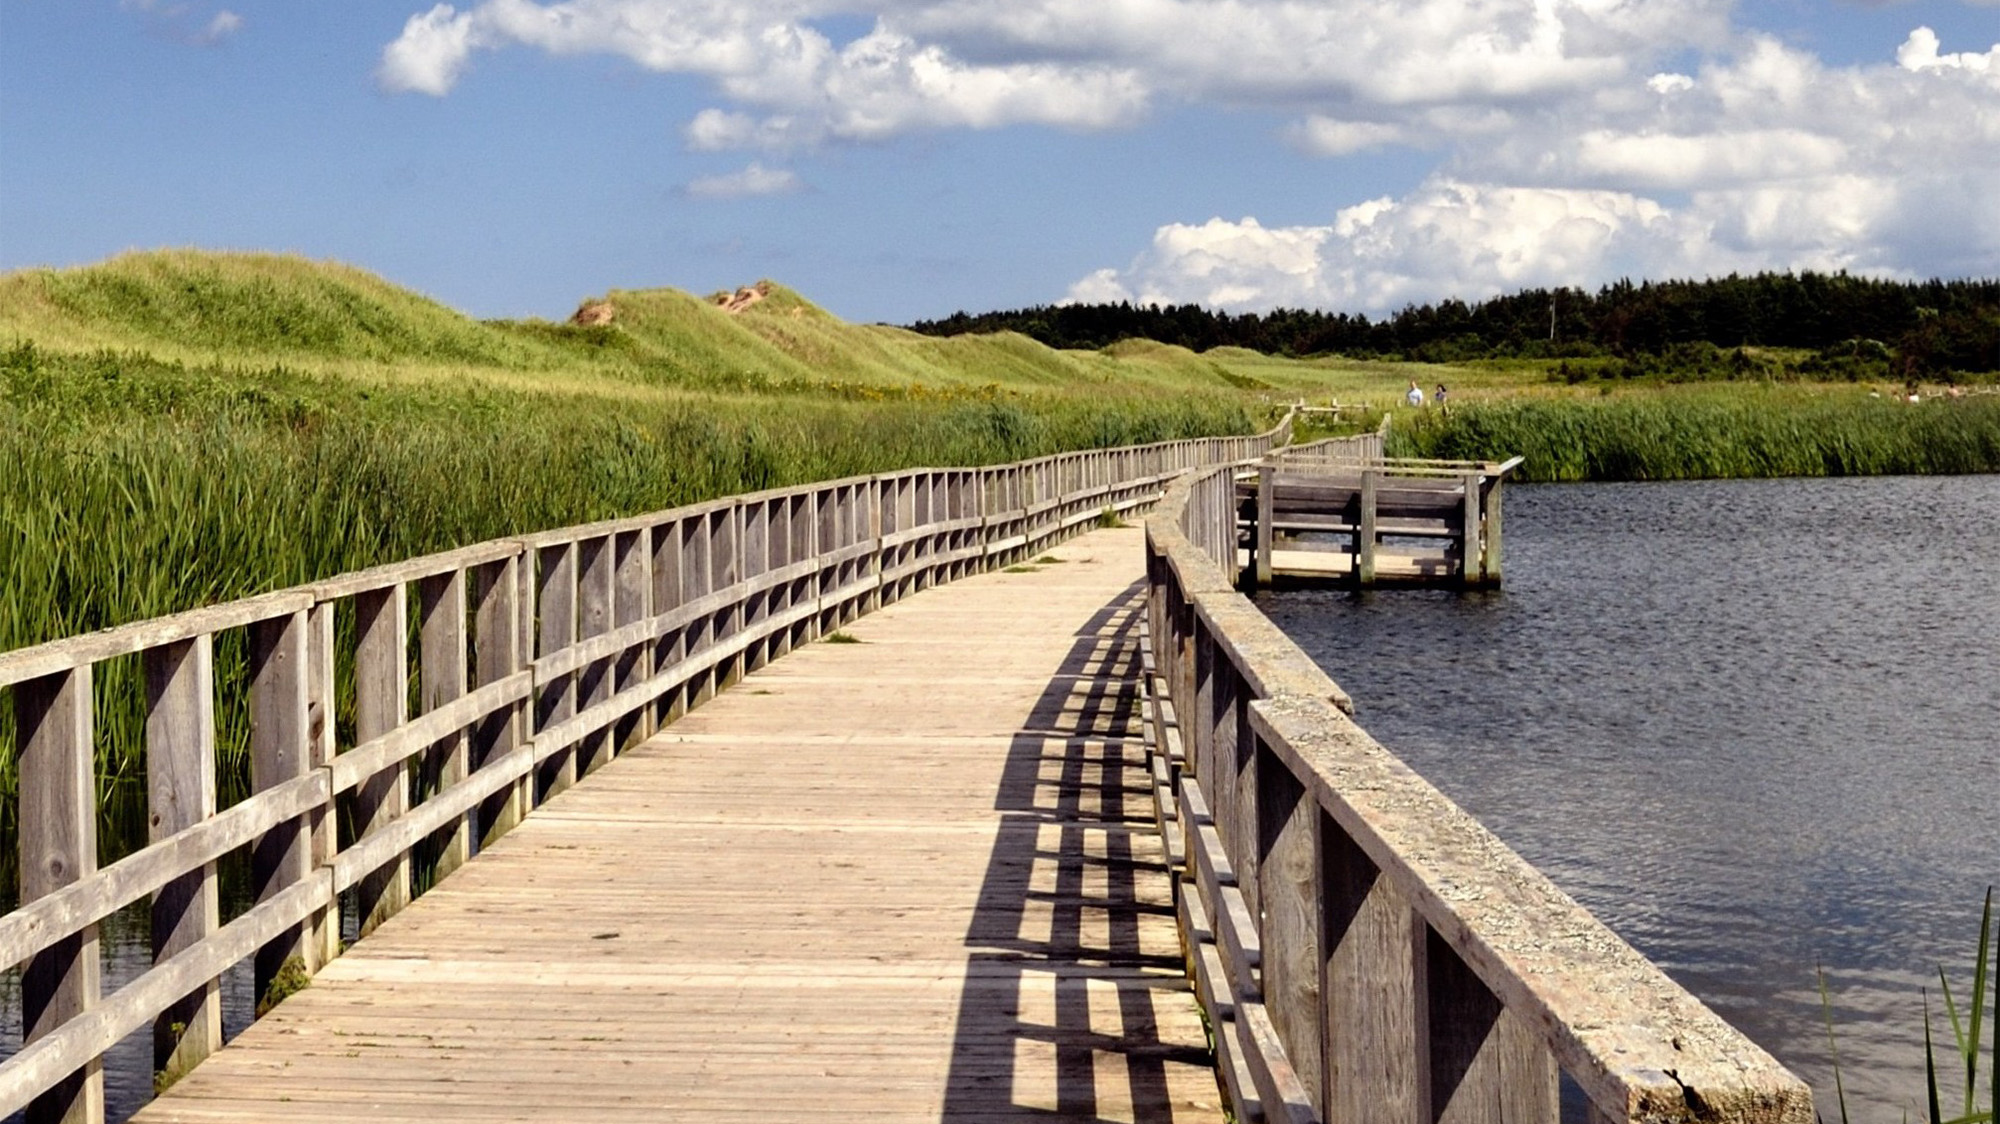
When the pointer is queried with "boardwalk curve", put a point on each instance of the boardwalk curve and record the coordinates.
(911, 878)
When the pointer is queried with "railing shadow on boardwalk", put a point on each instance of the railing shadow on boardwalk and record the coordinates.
(1075, 804)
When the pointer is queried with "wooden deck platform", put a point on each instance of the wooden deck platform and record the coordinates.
(1417, 566)
(912, 878)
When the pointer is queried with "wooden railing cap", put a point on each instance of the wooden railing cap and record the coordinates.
(1627, 1033)
(1642, 1047)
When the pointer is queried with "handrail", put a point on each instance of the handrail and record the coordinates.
(1365, 950)
(536, 658)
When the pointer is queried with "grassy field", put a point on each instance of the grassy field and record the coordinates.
(180, 428)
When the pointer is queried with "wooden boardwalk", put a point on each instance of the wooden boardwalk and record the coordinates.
(911, 878)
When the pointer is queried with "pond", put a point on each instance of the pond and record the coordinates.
(1753, 725)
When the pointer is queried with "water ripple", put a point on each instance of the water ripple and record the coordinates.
(1753, 725)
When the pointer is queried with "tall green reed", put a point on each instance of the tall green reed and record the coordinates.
(130, 489)
(1712, 434)
(1983, 1001)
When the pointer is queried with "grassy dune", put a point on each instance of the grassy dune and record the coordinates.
(182, 428)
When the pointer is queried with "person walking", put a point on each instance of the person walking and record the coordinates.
(1440, 396)
(1416, 395)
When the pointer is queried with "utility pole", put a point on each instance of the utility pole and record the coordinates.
(1552, 314)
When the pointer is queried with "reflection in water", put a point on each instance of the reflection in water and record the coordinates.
(1753, 725)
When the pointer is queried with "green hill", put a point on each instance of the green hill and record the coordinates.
(182, 427)
(247, 310)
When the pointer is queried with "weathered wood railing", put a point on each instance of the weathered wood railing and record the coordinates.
(1365, 950)
(532, 661)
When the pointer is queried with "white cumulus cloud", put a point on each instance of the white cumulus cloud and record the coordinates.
(756, 179)
(430, 54)
(1446, 238)
(1578, 140)
(1765, 158)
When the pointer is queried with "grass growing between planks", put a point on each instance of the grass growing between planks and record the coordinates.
(1754, 430)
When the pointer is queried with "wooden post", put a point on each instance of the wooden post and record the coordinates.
(1469, 561)
(58, 841)
(667, 649)
(1369, 997)
(827, 538)
(555, 596)
(323, 927)
(180, 793)
(596, 606)
(805, 546)
(497, 654)
(281, 750)
(630, 598)
(1493, 531)
(443, 674)
(757, 537)
(381, 704)
(726, 555)
(1365, 538)
(697, 576)
(1267, 488)
(1478, 1063)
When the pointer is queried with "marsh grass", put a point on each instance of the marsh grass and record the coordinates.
(182, 429)
(1711, 433)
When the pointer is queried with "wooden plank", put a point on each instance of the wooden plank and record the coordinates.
(962, 913)
(669, 580)
(596, 603)
(83, 1039)
(1476, 1063)
(442, 674)
(45, 921)
(1369, 1017)
(281, 752)
(498, 657)
(369, 759)
(58, 656)
(632, 604)
(58, 846)
(180, 794)
(413, 570)
(381, 700)
(1610, 1013)
(1291, 947)
(556, 600)
(1281, 1095)
(323, 927)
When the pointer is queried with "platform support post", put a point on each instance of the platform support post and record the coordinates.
(1364, 535)
(1493, 532)
(1266, 505)
(1471, 564)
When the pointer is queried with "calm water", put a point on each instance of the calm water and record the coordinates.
(1753, 726)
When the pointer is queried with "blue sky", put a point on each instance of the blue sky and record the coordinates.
(913, 157)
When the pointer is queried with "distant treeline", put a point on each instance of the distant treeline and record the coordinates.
(1865, 325)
